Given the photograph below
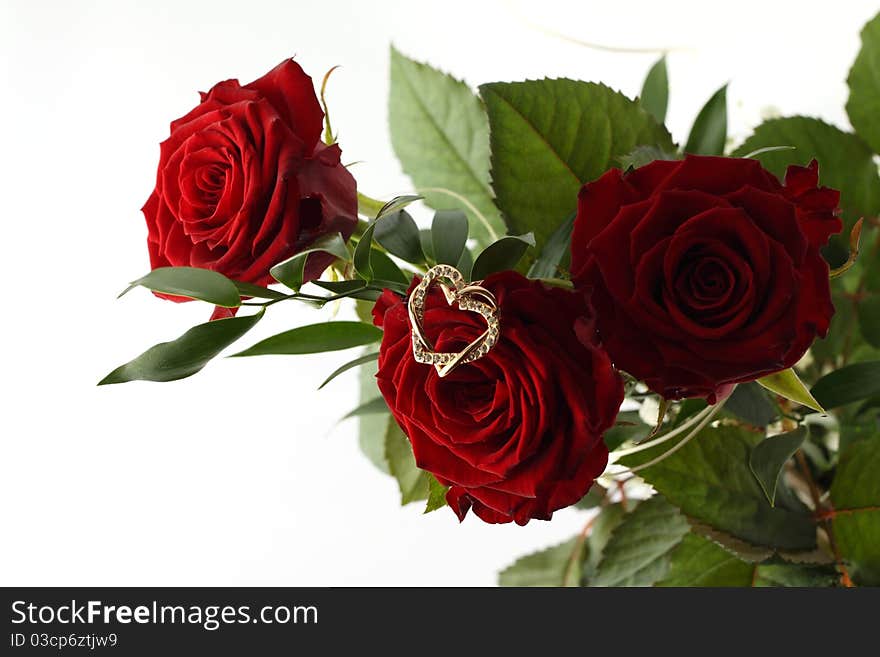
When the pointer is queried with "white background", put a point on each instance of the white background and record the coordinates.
(239, 475)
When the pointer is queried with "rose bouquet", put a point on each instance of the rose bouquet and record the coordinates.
(682, 340)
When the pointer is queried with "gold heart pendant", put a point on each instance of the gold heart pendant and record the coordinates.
(470, 297)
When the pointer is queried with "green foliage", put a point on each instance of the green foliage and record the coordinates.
(770, 455)
(855, 495)
(569, 131)
(291, 271)
(863, 105)
(845, 162)
(655, 91)
(709, 479)
(183, 357)
(360, 360)
(436, 494)
(555, 251)
(697, 561)
(398, 234)
(749, 403)
(316, 338)
(559, 565)
(848, 384)
(449, 234)
(637, 552)
(787, 384)
(440, 134)
(372, 429)
(191, 282)
(413, 482)
(709, 133)
(501, 255)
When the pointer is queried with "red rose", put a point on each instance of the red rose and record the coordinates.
(516, 434)
(245, 182)
(706, 271)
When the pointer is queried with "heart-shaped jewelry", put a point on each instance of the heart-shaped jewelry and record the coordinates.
(470, 297)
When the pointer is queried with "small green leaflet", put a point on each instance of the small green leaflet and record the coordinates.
(501, 255)
(315, 338)
(449, 233)
(770, 455)
(436, 494)
(787, 384)
(709, 133)
(655, 91)
(191, 282)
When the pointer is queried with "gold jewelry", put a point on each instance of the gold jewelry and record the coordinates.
(470, 297)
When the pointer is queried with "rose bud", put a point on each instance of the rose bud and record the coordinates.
(705, 272)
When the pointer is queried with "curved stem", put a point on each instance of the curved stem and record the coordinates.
(684, 441)
(687, 424)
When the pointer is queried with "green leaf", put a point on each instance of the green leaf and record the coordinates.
(370, 407)
(257, 291)
(638, 552)
(869, 319)
(603, 526)
(556, 566)
(183, 357)
(855, 494)
(709, 133)
(290, 272)
(397, 203)
(436, 494)
(770, 455)
(315, 338)
(697, 561)
(353, 289)
(372, 428)
(571, 132)
(709, 479)
(386, 270)
(863, 105)
(594, 497)
(191, 282)
(501, 255)
(787, 384)
(749, 403)
(655, 91)
(449, 233)
(440, 134)
(360, 360)
(398, 233)
(845, 162)
(848, 384)
(362, 253)
(413, 482)
(556, 248)
(629, 426)
(795, 574)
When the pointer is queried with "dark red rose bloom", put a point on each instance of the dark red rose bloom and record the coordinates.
(245, 182)
(706, 271)
(516, 434)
